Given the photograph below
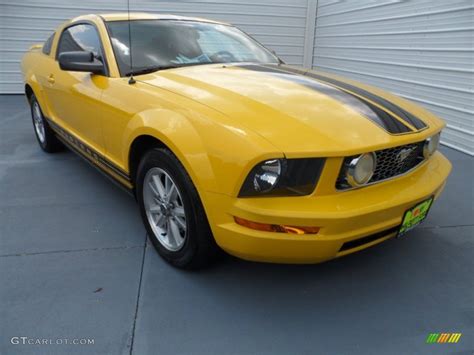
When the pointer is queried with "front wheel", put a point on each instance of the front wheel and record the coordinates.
(172, 211)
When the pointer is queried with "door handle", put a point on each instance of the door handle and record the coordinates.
(51, 79)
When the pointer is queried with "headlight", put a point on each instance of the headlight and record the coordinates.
(283, 177)
(431, 145)
(267, 175)
(360, 169)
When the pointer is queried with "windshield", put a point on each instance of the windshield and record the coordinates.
(158, 44)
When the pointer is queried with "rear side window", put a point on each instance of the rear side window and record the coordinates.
(81, 37)
(47, 45)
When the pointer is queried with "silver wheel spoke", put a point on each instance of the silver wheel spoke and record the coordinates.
(37, 112)
(160, 221)
(158, 186)
(181, 222)
(179, 211)
(153, 189)
(173, 233)
(154, 209)
(38, 122)
(164, 209)
(172, 194)
(168, 186)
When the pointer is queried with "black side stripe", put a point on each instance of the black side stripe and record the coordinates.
(397, 110)
(101, 170)
(365, 108)
(89, 153)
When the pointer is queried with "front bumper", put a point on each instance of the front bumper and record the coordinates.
(349, 220)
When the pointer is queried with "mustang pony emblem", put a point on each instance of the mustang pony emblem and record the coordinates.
(404, 153)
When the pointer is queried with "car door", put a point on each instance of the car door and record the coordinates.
(74, 97)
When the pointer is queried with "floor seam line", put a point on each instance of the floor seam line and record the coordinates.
(70, 251)
(138, 296)
(451, 226)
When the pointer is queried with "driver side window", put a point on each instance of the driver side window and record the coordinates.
(82, 37)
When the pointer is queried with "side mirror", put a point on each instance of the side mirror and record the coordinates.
(80, 61)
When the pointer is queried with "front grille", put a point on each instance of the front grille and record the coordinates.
(391, 162)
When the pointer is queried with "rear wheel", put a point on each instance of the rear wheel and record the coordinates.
(44, 134)
(172, 211)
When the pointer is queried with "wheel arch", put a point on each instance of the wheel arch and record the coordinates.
(140, 145)
(28, 91)
(185, 143)
(33, 87)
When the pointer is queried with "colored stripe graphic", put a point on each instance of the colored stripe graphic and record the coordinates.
(395, 109)
(90, 155)
(432, 338)
(392, 118)
(365, 108)
(443, 338)
(454, 337)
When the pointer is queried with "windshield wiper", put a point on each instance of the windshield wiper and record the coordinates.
(149, 69)
(152, 69)
(191, 64)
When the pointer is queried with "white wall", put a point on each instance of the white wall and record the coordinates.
(420, 49)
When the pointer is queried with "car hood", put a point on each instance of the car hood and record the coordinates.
(301, 112)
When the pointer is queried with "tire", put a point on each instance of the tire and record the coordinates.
(45, 136)
(176, 222)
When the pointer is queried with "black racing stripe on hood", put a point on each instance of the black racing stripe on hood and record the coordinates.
(397, 110)
(365, 108)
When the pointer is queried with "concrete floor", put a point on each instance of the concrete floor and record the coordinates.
(74, 264)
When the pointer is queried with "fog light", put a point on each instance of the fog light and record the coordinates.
(431, 145)
(278, 228)
(361, 169)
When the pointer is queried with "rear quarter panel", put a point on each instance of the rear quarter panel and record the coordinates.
(34, 67)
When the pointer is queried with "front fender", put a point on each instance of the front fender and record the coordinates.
(178, 134)
(216, 154)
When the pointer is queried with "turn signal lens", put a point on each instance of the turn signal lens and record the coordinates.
(278, 228)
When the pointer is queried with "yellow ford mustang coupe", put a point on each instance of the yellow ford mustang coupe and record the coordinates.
(226, 147)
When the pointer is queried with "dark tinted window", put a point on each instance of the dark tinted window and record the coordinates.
(47, 45)
(81, 37)
(164, 43)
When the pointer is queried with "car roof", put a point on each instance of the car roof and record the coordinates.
(124, 16)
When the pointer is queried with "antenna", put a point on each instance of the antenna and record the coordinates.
(131, 80)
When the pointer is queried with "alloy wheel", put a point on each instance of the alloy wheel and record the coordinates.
(38, 122)
(164, 209)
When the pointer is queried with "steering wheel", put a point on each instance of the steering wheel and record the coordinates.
(223, 57)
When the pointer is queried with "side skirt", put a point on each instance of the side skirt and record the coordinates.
(96, 160)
